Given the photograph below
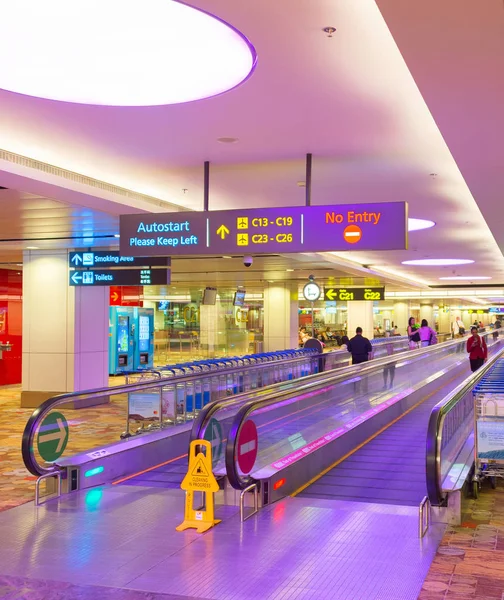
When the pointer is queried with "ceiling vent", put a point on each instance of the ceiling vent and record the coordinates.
(24, 161)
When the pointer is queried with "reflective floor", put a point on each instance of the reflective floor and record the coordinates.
(124, 537)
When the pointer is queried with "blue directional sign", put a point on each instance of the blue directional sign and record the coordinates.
(112, 258)
(119, 277)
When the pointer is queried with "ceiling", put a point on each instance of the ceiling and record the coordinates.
(404, 102)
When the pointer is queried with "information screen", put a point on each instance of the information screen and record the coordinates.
(209, 296)
(143, 333)
(239, 298)
(122, 334)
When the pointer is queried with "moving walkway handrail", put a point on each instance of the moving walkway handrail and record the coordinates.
(312, 383)
(38, 415)
(206, 414)
(434, 442)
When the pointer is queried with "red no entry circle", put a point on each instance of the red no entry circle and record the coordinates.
(352, 234)
(247, 447)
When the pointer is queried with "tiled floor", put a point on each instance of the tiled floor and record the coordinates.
(124, 537)
(469, 564)
(101, 424)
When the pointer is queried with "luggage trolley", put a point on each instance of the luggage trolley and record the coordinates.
(489, 427)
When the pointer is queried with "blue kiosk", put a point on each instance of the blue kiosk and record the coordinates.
(131, 339)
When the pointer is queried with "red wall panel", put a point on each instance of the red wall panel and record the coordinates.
(11, 325)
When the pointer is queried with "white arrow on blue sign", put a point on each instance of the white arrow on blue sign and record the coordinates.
(76, 277)
(77, 258)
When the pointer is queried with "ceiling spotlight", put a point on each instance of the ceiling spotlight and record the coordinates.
(329, 31)
(437, 262)
(419, 224)
(289, 270)
(32, 247)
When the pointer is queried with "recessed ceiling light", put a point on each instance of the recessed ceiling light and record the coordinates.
(227, 140)
(437, 262)
(32, 247)
(90, 52)
(227, 257)
(289, 270)
(301, 183)
(418, 224)
(460, 277)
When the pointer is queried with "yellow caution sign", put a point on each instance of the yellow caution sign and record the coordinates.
(199, 478)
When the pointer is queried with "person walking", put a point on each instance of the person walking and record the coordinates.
(412, 333)
(428, 336)
(359, 347)
(477, 349)
(389, 370)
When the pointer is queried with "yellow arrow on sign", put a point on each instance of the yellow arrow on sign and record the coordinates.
(223, 231)
(331, 294)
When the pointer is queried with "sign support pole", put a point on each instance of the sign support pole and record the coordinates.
(313, 319)
(206, 185)
(308, 179)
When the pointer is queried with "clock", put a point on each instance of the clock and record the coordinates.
(311, 292)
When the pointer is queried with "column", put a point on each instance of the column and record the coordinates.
(209, 329)
(280, 317)
(401, 316)
(427, 312)
(444, 320)
(65, 330)
(360, 314)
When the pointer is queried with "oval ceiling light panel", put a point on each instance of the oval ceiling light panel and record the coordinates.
(419, 224)
(119, 52)
(437, 262)
(460, 278)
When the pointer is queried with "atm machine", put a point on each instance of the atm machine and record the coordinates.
(121, 340)
(143, 333)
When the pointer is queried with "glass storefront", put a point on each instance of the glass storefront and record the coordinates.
(186, 328)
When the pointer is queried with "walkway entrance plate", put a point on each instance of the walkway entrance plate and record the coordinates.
(52, 437)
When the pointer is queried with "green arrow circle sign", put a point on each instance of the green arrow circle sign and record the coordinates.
(213, 434)
(52, 437)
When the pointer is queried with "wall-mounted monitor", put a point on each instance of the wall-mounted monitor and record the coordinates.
(209, 296)
(164, 305)
(239, 298)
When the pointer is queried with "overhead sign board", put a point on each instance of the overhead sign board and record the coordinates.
(104, 258)
(336, 227)
(350, 294)
(120, 277)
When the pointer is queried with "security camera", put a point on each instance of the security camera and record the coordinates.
(311, 277)
(247, 261)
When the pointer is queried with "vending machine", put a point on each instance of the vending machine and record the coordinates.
(143, 331)
(121, 339)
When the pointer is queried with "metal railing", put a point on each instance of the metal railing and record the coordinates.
(315, 386)
(218, 384)
(450, 424)
(311, 386)
(179, 392)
